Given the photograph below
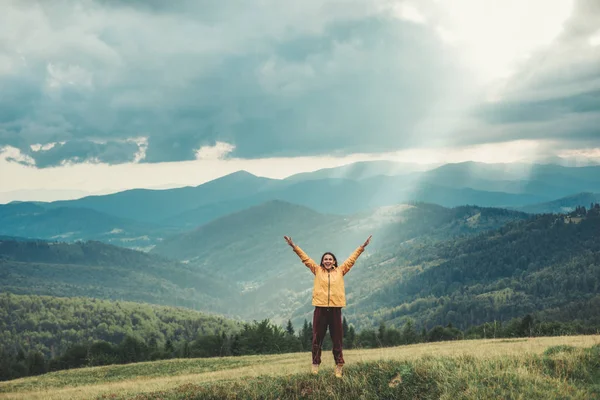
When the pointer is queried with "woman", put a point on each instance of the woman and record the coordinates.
(328, 298)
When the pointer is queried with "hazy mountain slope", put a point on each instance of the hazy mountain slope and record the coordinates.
(544, 180)
(565, 204)
(360, 170)
(248, 247)
(191, 219)
(247, 244)
(71, 224)
(345, 196)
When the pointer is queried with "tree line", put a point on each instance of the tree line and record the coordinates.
(265, 337)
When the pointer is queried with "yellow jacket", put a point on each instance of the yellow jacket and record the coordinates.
(328, 290)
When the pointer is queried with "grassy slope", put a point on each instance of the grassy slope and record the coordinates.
(514, 368)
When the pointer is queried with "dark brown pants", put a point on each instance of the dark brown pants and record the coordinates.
(323, 318)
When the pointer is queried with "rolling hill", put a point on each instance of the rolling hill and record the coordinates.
(247, 247)
(94, 269)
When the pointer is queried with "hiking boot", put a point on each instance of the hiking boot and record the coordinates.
(315, 369)
(338, 370)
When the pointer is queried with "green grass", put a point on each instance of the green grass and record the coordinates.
(531, 368)
(117, 373)
(562, 375)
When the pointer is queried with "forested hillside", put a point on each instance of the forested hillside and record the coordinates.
(94, 269)
(247, 248)
(52, 324)
(550, 264)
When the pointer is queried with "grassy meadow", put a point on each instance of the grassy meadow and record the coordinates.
(526, 368)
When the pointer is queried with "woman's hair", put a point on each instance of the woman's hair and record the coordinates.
(332, 255)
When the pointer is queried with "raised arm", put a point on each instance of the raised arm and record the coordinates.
(305, 259)
(354, 256)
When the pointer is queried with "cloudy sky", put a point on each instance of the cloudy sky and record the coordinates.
(104, 95)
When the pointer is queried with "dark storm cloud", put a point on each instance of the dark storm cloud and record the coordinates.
(271, 80)
(535, 111)
(77, 151)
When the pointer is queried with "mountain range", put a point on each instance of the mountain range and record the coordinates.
(218, 247)
(237, 265)
(436, 265)
(142, 218)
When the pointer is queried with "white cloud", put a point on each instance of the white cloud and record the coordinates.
(494, 37)
(43, 147)
(314, 78)
(582, 156)
(142, 143)
(408, 12)
(216, 152)
(13, 154)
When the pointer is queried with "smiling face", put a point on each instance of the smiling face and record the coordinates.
(328, 261)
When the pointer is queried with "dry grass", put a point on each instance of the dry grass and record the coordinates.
(507, 356)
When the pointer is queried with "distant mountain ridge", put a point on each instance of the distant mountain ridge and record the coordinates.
(147, 205)
(141, 218)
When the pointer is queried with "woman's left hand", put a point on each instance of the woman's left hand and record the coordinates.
(366, 243)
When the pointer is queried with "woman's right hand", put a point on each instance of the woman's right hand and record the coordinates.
(289, 240)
